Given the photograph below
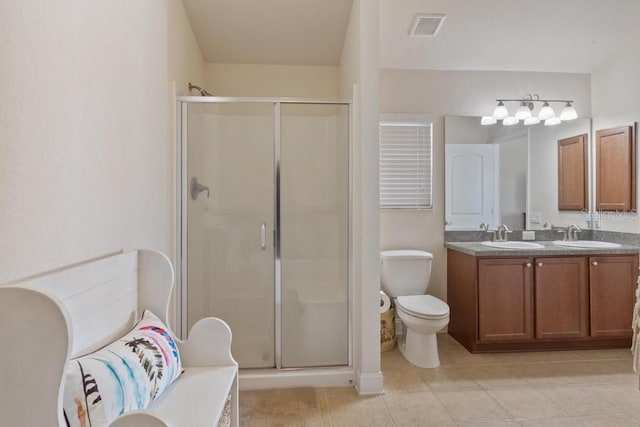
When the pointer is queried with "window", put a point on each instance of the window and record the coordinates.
(405, 163)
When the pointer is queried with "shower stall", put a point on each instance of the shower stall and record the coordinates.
(264, 196)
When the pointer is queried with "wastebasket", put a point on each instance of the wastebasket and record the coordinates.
(387, 330)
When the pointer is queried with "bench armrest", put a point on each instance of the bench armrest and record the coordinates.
(138, 419)
(208, 344)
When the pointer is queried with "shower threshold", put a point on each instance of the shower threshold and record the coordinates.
(259, 379)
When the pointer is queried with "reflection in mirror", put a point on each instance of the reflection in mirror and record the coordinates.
(505, 174)
(543, 174)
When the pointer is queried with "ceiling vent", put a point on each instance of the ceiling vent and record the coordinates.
(426, 25)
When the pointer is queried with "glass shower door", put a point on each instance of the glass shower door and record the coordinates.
(314, 234)
(230, 223)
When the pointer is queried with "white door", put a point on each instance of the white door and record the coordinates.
(470, 186)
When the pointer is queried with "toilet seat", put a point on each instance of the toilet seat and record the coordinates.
(423, 306)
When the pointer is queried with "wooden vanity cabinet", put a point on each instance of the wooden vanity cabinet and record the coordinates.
(541, 303)
(612, 282)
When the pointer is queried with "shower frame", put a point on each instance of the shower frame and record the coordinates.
(182, 197)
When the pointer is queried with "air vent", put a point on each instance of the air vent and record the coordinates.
(426, 25)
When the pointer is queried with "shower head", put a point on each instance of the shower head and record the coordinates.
(198, 88)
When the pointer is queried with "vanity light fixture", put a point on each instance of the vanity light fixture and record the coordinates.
(501, 112)
(510, 121)
(488, 120)
(531, 121)
(525, 112)
(546, 112)
(568, 113)
(552, 121)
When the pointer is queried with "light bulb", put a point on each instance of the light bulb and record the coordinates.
(546, 112)
(531, 121)
(510, 121)
(488, 120)
(552, 121)
(568, 113)
(500, 112)
(523, 112)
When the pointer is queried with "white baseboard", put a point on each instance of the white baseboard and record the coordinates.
(369, 383)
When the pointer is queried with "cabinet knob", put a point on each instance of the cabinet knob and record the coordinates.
(539, 264)
(594, 263)
(528, 265)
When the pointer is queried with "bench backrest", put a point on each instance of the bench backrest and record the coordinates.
(46, 320)
(104, 298)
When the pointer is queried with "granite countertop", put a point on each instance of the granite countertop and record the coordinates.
(550, 249)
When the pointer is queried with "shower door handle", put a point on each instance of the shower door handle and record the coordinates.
(263, 236)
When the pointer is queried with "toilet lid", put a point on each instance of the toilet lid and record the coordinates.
(425, 306)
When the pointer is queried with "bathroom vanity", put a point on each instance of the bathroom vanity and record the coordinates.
(549, 298)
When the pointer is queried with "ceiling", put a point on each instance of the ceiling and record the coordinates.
(514, 35)
(508, 35)
(288, 32)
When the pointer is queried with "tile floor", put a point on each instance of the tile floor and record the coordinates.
(567, 388)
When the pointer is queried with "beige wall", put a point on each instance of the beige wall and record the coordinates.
(615, 87)
(469, 93)
(271, 81)
(86, 128)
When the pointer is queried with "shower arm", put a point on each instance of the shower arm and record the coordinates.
(198, 88)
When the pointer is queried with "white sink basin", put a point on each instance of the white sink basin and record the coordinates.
(586, 244)
(514, 245)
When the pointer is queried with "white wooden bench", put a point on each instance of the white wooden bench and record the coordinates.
(46, 321)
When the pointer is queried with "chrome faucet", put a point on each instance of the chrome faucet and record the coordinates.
(572, 232)
(501, 233)
(484, 226)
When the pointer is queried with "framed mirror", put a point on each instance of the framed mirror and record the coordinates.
(507, 174)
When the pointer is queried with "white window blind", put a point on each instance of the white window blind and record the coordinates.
(405, 165)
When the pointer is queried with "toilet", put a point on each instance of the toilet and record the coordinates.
(405, 277)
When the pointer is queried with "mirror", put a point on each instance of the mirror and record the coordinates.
(505, 174)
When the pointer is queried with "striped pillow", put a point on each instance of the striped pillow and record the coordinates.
(126, 375)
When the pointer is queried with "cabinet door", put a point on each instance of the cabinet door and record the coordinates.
(616, 169)
(572, 173)
(504, 299)
(561, 297)
(612, 282)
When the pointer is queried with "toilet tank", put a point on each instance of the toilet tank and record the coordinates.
(405, 272)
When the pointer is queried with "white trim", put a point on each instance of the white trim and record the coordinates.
(369, 383)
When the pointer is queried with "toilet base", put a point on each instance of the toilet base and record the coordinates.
(420, 349)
